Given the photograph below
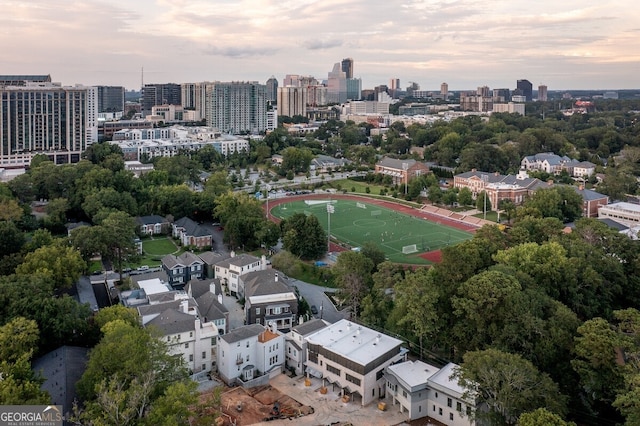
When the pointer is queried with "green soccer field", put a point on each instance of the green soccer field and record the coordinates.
(402, 237)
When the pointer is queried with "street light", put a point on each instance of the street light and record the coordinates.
(405, 167)
(268, 187)
(330, 209)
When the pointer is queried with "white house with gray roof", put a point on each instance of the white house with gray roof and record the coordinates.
(353, 358)
(420, 390)
(180, 269)
(296, 344)
(229, 270)
(250, 355)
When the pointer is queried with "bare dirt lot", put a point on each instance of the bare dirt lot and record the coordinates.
(250, 406)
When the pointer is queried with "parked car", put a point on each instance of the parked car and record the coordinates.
(314, 310)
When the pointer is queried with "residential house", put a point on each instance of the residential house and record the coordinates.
(190, 233)
(325, 163)
(583, 169)
(210, 258)
(180, 269)
(353, 358)
(420, 390)
(296, 344)
(268, 300)
(180, 323)
(229, 270)
(250, 355)
(152, 225)
(208, 297)
(401, 171)
(548, 162)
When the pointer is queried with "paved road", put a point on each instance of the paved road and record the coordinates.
(315, 295)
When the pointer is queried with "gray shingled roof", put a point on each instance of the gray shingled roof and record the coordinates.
(172, 321)
(199, 287)
(150, 220)
(185, 259)
(309, 327)
(238, 260)
(260, 283)
(243, 333)
(209, 307)
(192, 228)
(394, 163)
(211, 257)
(588, 194)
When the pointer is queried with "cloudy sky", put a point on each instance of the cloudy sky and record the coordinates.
(565, 44)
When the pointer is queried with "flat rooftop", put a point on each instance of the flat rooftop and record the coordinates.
(413, 373)
(354, 342)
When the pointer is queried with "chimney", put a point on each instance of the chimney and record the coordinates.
(474, 170)
(184, 306)
(263, 262)
(581, 187)
(220, 299)
(212, 287)
(233, 253)
(497, 173)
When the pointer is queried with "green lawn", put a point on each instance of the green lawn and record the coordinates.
(360, 187)
(159, 246)
(357, 222)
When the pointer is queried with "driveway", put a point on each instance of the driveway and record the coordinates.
(315, 295)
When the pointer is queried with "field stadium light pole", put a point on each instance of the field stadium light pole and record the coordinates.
(268, 188)
(405, 167)
(330, 209)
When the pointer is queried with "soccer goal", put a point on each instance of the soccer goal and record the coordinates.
(361, 206)
(376, 213)
(307, 213)
(412, 248)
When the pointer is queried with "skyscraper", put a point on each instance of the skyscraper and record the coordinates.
(542, 93)
(45, 118)
(110, 98)
(394, 87)
(354, 89)
(272, 89)
(160, 94)
(347, 67)
(444, 90)
(337, 85)
(525, 88)
(237, 107)
(292, 101)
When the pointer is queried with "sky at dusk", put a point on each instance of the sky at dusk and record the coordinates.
(565, 44)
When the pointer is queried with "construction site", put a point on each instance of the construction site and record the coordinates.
(260, 404)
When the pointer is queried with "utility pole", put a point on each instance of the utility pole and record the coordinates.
(330, 209)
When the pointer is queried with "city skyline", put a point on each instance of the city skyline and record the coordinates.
(563, 45)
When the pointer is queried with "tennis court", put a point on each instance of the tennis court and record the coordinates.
(402, 237)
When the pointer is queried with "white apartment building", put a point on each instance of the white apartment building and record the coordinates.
(352, 358)
(365, 107)
(138, 149)
(46, 118)
(419, 390)
(292, 101)
(510, 107)
(250, 355)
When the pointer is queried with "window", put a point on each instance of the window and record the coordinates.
(459, 406)
(257, 311)
(204, 355)
(332, 369)
(439, 410)
(379, 374)
(419, 408)
(436, 395)
(404, 393)
(239, 346)
(204, 366)
(434, 408)
(247, 343)
(186, 345)
(450, 416)
(191, 358)
(247, 358)
(449, 402)
(352, 379)
(191, 334)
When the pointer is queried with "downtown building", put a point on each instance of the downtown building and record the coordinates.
(160, 94)
(45, 118)
(292, 101)
(237, 107)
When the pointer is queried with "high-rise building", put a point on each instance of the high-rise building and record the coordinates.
(444, 90)
(337, 85)
(525, 88)
(110, 98)
(483, 91)
(46, 118)
(347, 67)
(160, 94)
(272, 89)
(394, 87)
(193, 96)
(354, 88)
(237, 107)
(542, 93)
(501, 95)
(292, 101)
